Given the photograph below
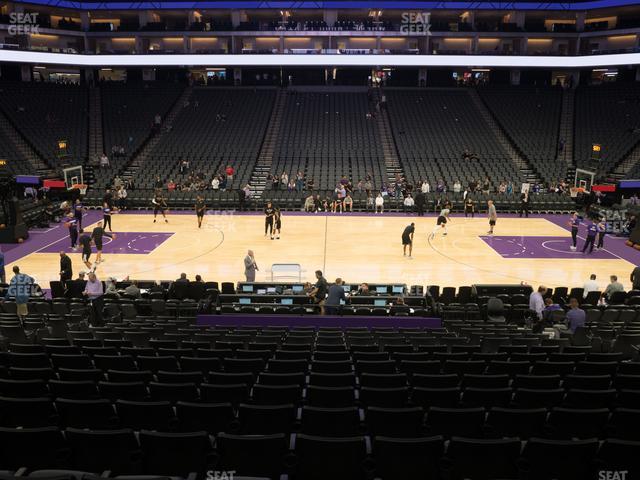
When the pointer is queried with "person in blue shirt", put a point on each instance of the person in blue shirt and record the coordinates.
(574, 223)
(3, 276)
(592, 231)
(602, 230)
(20, 288)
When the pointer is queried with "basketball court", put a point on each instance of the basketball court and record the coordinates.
(355, 247)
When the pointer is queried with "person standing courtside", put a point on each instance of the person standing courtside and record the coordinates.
(250, 267)
(335, 298)
(492, 214)
(319, 291)
(269, 213)
(72, 225)
(66, 269)
(407, 239)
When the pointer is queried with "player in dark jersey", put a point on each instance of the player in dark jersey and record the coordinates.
(277, 224)
(469, 207)
(602, 230)
(592, 230)
(574, 223)
(269, 213)
(97, 235)
(159, 205)
(200, 207)
(407, 239)
(78, 209)
(85, 243)
(72, 225)
(106, 215)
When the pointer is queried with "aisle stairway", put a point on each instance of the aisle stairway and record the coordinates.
(264, 162)
(139, 159)
(391, 158)
(527, 172)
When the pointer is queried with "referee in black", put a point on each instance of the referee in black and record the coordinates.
(407, 239)
(269, 213)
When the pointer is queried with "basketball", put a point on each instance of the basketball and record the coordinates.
(629, 243)
(20, 240)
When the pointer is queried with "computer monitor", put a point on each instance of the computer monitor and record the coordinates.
(261, 291)
(297, 288)
(379, 303)
(398, 289)
(346, 288)
(244, 301)
(342, 302)
(271, 290)
(247, 288)
(286, 301)
(381, 289)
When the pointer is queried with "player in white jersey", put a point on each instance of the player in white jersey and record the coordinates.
(443, 219)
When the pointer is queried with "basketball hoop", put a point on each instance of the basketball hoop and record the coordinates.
(80, 186)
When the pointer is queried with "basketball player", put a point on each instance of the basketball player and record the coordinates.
(407, 239)
(200, 208)
(269, 213)
(277, 224)
(78, 208)
(602, 230)
(159, 205)
(592, 231)
(524, 204)
(85, 243)
(443, 219)
(106, 215)
(469, 207)
(492, 215)
(97, 235)
(574, 223)
(72, 225)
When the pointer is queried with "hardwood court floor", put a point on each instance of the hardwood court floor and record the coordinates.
(354, 247)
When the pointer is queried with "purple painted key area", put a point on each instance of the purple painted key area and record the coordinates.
(540, 247)
(125, 242)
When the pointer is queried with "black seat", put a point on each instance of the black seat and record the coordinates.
(252, 455)
(330, 422)
(567, 459)
(347, 456)
(407, 458)
(482, 459)
(176, 453)
(116, 451)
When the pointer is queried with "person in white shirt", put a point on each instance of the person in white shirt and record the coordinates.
(591, 285)
(409, 202)
(425, 187)
(457, 187)
(536, 301)
(215, 183)
(379, 203)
